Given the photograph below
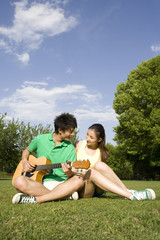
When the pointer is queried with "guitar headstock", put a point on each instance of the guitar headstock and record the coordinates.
(85, 164)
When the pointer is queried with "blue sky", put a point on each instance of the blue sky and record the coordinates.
(70, 55)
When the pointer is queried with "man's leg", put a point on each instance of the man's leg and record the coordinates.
(30, 187)
(63, 190)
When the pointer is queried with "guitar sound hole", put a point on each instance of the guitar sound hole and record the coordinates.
(28, 174)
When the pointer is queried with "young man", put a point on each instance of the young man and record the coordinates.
(59, 183)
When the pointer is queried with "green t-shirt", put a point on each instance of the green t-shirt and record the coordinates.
(44, 145)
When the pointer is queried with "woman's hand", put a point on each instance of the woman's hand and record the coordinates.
(80, 172)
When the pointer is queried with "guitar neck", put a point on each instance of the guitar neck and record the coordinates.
(49, 166)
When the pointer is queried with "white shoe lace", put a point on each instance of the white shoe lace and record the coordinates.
(141, 195)
(27, 199)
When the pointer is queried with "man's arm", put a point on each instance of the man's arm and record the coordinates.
(71, 157)
(27, 166)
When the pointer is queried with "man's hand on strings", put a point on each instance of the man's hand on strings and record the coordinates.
(67, 169)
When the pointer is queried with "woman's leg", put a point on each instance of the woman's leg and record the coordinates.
(107, 172)
(88, 190)
(104, 183)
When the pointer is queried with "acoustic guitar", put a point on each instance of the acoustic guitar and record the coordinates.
(43, 165)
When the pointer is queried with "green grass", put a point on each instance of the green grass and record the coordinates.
(108, 217)
(5, 175)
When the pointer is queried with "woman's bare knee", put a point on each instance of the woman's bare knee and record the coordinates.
(101, 166)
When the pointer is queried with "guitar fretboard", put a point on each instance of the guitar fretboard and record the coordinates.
(49, 166)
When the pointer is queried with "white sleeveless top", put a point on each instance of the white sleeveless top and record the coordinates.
(82, 155)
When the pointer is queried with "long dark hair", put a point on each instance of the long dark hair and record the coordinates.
(100, 133)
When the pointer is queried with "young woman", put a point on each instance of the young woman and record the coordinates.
(101, 177)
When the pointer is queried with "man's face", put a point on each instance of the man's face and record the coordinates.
(67, 134)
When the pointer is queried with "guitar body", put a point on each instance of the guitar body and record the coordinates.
(42, 167)
(36, 175)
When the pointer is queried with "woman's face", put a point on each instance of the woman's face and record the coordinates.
(91, 138)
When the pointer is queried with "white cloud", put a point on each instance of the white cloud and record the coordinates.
(24, 58)
(2, 43)
(101, 114)
(155, 48)
(47, 78)
(69, 70)
(91, 97)
(5, 46)
(36, 103)
(31, 24)
(6, 89)
(35, 83)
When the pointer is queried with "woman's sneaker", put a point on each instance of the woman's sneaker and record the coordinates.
(23, 198)
(131, 190)
(147, 194)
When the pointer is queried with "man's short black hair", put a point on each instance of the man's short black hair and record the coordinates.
(64, 122)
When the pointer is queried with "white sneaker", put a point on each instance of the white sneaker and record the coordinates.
(131, 190)
(23, 198)
(74, 196)
(147, 194)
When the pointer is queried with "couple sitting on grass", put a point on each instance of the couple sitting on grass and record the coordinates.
(65, 182)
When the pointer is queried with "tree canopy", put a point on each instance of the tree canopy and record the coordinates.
(15, 136)
(137, 104)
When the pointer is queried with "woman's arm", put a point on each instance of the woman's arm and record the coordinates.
(78, 144)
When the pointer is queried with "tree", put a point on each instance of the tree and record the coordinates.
(8, 144)
(137, 103)
(15, 136)
(118, 161)
(75, 138)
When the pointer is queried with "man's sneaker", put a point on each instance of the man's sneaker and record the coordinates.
(147, 194)
(74, 196)
(22, 198)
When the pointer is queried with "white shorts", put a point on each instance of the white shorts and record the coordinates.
(51, 184)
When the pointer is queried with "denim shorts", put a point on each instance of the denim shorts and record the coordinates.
(97, 194)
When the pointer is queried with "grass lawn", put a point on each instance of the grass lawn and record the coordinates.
(108, 217)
